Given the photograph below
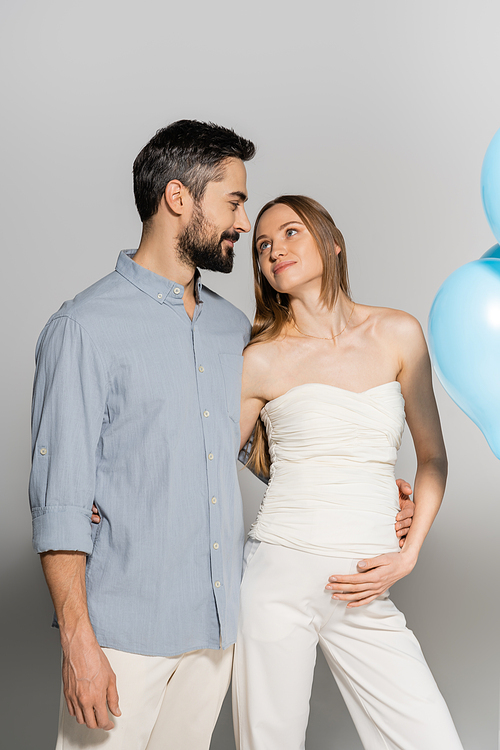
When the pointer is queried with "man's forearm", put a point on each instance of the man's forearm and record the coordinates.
(88, 680)
(65, 576)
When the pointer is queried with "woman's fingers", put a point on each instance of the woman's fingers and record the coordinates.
(381, 573)
(372, 569)
(360, 586)
(355, 589)
(362, 602)
(356, 596)
(347, 586)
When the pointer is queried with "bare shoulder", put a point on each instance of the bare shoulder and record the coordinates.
(260, 355)
(394, 326)
(402, 324)
(259, 363)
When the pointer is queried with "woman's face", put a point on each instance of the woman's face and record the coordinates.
(287, 253)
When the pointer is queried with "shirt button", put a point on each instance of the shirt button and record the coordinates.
(43, 451)
(210, 456)
(160, 296)
(201, 368)
(177, 290)
(214, 500)
(216, 546)
(217, 584)
(206, 413)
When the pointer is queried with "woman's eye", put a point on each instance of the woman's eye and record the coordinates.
(291, 232)
(264, 246)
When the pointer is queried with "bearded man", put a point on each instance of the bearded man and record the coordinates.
(136, 408)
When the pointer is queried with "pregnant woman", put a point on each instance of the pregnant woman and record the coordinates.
(326, 383)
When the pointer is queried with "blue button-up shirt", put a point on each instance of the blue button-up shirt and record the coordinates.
(136, 409)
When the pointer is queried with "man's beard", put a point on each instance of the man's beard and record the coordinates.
(200, 245)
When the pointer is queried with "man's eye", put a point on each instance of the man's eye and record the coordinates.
(235, 206)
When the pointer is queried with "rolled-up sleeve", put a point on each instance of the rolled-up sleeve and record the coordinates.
(69, 404)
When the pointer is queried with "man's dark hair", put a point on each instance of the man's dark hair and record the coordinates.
(187, 150)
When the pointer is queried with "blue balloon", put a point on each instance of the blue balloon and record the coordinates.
(493, 252)
(490, 184)
(464, 341)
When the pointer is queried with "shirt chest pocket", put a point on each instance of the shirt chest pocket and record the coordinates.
(232, 367)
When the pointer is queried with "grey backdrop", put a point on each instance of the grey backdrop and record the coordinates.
(382, 110)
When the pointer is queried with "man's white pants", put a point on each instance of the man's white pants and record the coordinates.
(376, 661)
(167, 703)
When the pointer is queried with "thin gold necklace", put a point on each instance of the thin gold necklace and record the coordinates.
(326, 338)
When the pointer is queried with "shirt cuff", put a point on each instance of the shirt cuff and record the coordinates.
(57, 527)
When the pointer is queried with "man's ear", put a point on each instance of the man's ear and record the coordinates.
(177, 197)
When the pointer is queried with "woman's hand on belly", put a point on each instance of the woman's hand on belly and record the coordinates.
(376, 575)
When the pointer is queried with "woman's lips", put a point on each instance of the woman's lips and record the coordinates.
(283, 266)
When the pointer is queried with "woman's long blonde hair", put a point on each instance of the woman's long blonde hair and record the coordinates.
(272, 310)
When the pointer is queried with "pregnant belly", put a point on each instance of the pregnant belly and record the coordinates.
(351, 521)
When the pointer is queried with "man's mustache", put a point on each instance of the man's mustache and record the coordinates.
(231, 236)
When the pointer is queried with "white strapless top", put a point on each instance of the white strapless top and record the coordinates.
(332, 487)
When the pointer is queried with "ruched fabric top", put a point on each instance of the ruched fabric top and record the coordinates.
(332, 487)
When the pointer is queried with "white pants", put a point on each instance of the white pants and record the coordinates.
(376, 661)
(167, 703)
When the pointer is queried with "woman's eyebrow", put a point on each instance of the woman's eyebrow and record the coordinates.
(295, 221)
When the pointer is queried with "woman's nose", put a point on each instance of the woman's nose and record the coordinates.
(277, 251)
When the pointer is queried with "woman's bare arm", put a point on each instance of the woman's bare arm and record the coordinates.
(255, 368)
(422, 416)
(425, 427)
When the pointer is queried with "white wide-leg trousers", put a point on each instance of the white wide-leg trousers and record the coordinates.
(376, 661)
(167, 703)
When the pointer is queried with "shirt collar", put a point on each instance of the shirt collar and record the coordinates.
(157, 287)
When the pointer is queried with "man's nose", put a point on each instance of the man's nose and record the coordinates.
(242, 223)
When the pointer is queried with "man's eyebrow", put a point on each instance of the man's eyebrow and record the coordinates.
(238, 194)
(295, 221)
